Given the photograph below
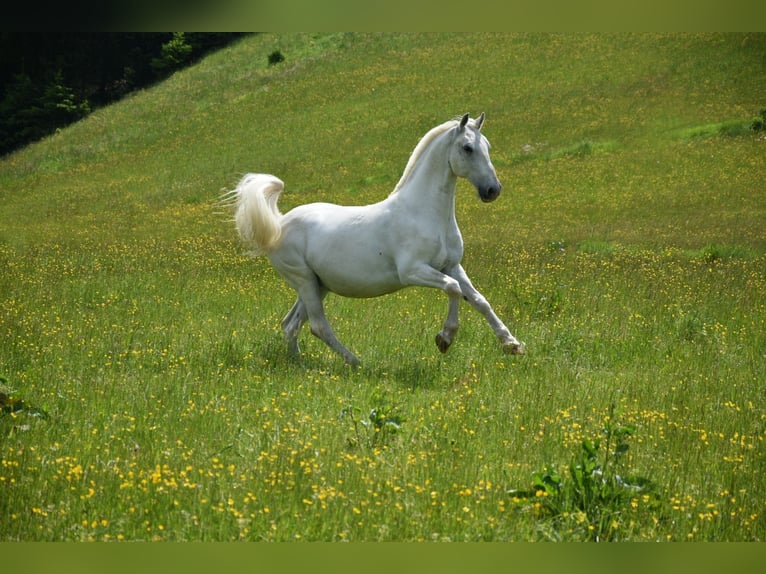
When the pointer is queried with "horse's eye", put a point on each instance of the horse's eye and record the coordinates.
(468, 148)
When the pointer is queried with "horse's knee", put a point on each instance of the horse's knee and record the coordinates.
(453, 290)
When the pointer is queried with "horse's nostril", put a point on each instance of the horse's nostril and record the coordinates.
(490, 193)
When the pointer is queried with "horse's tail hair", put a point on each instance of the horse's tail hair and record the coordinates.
(256, 215)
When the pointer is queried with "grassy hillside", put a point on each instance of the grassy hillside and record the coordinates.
(147, 392)
(342, 113)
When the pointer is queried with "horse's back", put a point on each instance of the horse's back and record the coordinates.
(329, 222)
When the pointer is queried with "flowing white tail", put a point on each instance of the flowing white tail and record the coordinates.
(257, 216)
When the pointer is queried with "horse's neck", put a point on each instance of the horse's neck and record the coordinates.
(431, 185)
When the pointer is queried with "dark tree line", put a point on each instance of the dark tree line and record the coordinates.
(48, 80)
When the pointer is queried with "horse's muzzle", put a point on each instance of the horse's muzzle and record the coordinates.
(490, 193)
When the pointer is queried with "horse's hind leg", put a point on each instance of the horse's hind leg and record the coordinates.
(291, 326)
(321, 328)
(426, 276)
(311, 294)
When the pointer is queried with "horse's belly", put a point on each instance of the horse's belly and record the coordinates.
(359, 281)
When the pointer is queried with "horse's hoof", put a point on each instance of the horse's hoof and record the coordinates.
(442, 344)
(515, 348)
(353, 362)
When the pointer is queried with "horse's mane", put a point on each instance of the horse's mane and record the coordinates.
(424, 142)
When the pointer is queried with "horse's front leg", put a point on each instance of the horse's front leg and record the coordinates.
(480, 303)
(445, 337)
(424, 275)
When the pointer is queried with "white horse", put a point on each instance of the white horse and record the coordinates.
(409, 238)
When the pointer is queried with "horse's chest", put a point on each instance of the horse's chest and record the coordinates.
(445, 251)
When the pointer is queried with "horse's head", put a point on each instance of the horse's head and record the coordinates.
(469, 158)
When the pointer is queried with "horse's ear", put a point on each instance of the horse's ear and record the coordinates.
(463, 121)
(480, 121)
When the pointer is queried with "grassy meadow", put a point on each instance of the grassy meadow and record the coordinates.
(147, 392)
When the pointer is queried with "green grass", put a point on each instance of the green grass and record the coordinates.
(731, 128)
(149, 392)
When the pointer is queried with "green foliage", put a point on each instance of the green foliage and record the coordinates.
(51, 79)
(30, 111)
(730, 128)
(58, 102)
(713, 252)
(375, 429)
(15, 413)
(597, 493)
(759, 122)
(11, 405)
(276, 57)
(175, 54)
